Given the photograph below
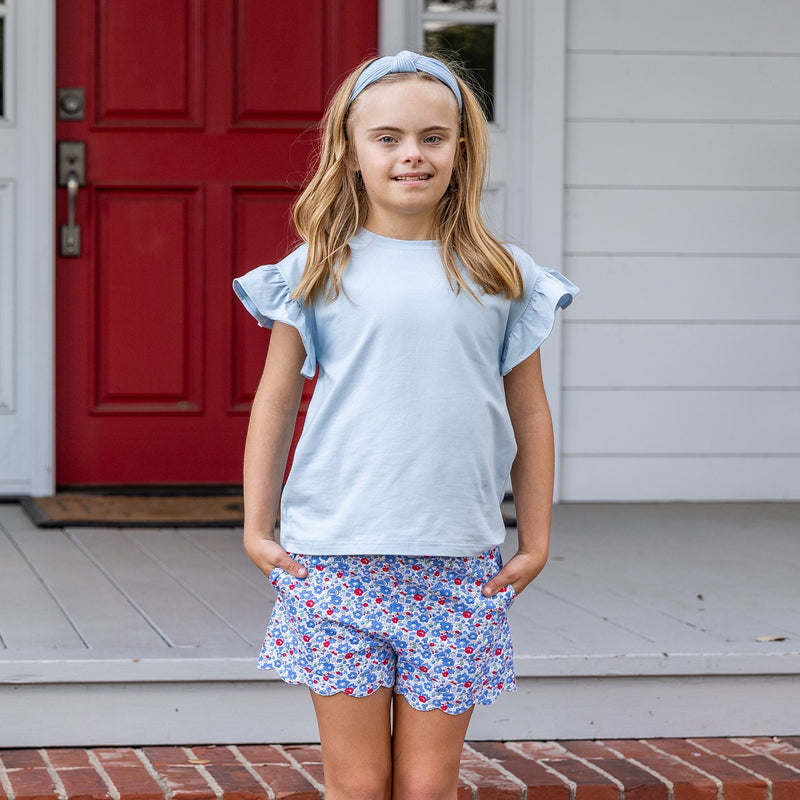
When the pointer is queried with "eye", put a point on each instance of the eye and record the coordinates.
(434, 139)
(386, 139)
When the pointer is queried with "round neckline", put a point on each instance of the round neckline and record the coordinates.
(364, 238)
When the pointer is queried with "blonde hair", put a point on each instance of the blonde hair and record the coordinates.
(334, 205)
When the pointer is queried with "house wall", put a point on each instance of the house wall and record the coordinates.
(682, 226)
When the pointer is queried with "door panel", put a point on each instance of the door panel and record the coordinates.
(198, 133)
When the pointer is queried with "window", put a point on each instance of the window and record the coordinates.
(465, 30)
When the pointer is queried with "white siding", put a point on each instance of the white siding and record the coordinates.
(682, 226)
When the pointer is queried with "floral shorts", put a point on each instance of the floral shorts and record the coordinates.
(420, 624)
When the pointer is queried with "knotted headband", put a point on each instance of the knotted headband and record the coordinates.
(406, 61)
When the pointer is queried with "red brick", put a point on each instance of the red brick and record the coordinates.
(132, 782)
(589, 782)
(687, 783)
(83, 783)
(166, 756)
(737, 783)
(215, 755)
(722, 747)
(68, 757)
(779, 749)
(262, 754)
(587, 749)
(794, 741)
(310, 757)
(637, 782)
(235, 781)
(16, 759)
(31, 783)
(185, 782)
(541, 750)
(117, 757)
(785, 782)
(286, 782)
(542, 785)
(489, 781)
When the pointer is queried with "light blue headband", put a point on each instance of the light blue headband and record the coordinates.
(406, 61)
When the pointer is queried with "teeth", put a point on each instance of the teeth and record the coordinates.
(412, 177)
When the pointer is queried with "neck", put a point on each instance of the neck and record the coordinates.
(407, 228)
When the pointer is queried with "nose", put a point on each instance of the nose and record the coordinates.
(413, 154)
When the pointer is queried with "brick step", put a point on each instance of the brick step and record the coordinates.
(653, 769)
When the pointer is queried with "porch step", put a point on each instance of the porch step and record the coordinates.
(672, 769)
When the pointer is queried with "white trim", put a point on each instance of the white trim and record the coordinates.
(30, 467)
(545, 61)
(9, 13)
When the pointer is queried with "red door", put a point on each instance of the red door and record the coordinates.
(198, 130)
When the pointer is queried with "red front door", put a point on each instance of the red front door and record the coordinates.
(198, 130)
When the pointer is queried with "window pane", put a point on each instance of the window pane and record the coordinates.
(2, 66)
(460, 5)
(472, 46)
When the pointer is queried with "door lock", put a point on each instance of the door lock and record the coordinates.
(72, 174)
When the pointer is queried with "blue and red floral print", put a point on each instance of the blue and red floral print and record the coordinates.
(420, 624)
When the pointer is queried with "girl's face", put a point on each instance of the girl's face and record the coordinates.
(405, 138)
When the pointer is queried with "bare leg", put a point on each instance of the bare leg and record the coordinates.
(355, 733)
(427, 749)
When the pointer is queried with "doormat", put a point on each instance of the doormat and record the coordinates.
(135, 511)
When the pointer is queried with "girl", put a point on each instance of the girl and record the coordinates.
(391, 596)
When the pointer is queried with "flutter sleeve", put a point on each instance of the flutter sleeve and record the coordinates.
(266, 293)
(533, 316)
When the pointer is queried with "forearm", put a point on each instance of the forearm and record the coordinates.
(269, 437)
(532, 480)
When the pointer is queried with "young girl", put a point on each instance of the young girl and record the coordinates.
(391, 597)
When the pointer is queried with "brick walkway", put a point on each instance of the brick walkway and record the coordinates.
(656, 769)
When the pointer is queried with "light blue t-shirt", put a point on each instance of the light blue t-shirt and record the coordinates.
(407, 444)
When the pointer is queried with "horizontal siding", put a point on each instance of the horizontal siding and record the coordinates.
(683, 288)
(682, 203)
(680, 154)
(699, 422)
(718, 356)
(686, 221)
(683, 87)
(716, 26)
(638, 479)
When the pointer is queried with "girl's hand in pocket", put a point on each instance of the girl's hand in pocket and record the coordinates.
(267, 554)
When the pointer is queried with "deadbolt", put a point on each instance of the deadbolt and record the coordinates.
(71, 104)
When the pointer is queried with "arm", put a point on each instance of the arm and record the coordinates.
(269, 437)
(531, 474)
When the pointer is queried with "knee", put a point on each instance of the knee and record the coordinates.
(425, 787)
(358, 785)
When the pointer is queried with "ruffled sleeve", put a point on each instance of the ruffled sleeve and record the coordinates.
(266, 293)
(532, 318)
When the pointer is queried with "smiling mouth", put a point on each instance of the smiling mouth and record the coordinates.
(410, 178)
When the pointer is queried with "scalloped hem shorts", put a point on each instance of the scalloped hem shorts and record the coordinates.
(419, 624)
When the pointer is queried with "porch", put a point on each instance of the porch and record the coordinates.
(652, 620)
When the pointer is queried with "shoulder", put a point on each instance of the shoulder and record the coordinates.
(291, 266)
(529, 270)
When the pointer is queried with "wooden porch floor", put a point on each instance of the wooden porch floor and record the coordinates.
(651, 620)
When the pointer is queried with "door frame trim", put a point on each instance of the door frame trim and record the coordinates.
(33, 73)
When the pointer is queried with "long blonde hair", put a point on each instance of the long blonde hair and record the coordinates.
(334, 205)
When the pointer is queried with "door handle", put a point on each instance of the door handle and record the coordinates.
(72, 174)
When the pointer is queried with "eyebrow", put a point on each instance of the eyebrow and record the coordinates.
(395, 129)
